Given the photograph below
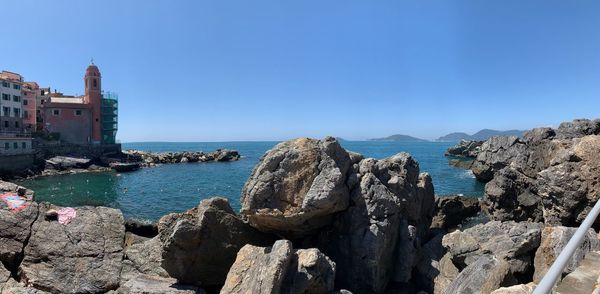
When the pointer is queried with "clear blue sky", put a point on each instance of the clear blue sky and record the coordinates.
(271, 70)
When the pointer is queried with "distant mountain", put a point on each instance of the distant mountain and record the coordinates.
(479, 136)
(400, 138)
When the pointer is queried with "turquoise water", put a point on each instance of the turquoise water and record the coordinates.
(150, 193)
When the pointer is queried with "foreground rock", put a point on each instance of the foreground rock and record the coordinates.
(147, 284)
(465, 148)
(280, 269)
(297, 187)
(150, 158)
(554, 239)
(492, 255)
(83, 256)
(199, 245)
(550, 175)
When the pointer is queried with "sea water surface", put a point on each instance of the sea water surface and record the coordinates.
(150, 193)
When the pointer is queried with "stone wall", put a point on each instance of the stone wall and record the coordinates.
(10, 164)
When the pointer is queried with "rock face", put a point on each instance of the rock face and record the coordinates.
(492, 255)
(451, 211)
(550, 175)
(297, 187)
(64, 162)
(377, 239)
(199, 246)
(465, 148)
(83, 256)
(280, 269)
(146, 284)
(143, 258)
(554, 239)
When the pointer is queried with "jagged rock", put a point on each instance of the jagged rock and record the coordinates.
(465, 148)
(143, 258)
(554, 239)
(199, 245)
(451, 211)
(226, 155)
(551, 175)
(364, 241)
(280, 270)
(15, 229)
(516, 289)
(151, 158)
(65, 162)
(435, 270)
(497, 153)
(147, 284)
(83, 256)
(13, 287)
(492, 255)
(297, 187)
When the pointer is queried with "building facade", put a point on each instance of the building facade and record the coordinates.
(87, 119)
(14, 137)
(30, 91)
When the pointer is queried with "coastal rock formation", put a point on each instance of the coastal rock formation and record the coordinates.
(451, 211)
(376, 239)
(83, 256)
(199, 245)
(143, 258)
(280, 269)
(297, 187)
(65, 162)
(554, 239)
(465, 148)
(150, 158)
(551, 175)
(492, 255)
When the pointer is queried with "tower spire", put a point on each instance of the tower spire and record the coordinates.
(92, 60)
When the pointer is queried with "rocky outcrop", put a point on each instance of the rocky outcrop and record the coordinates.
(465, 148)
(199, 245)
(554, 239)
(65, 162)
(143, 257)
(83, 256)
(151, 158)
(297, 187)
(492, 255)
(451, 211)
(377, 238)
(280, 269)
(551, 175)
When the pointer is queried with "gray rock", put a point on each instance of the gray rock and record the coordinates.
(147, 284)
(484, 275)
(65, 162)
(497, 153)
(451, 211)
(280, 270)
(578, 128)
(83, 256)
(297, 187)
(465, 148)
(199, 246)
(13, 287)
(554, 239)
(15, 229)
(391, 211)
(143, 258)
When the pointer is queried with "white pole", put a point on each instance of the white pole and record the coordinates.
(555, 271)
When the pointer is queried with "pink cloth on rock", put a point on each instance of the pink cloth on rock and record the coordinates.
(65, 215)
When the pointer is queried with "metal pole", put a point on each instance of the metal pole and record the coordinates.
(555, 271)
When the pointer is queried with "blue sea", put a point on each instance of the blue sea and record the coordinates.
(150, 193)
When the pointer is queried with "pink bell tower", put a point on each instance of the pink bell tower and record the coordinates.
(93, 97)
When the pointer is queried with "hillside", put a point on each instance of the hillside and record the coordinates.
(479, 136)
(400, 138)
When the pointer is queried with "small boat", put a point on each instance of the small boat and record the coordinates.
(125, 166)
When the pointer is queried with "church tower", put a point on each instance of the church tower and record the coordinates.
(93, 97)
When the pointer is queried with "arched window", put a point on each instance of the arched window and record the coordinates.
(95, 83)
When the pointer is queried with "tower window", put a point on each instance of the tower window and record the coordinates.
(95, 83)
(78, 112)
(56, 112)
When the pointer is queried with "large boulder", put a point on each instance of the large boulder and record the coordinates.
(297, 187)
(65, 162)
(377, 238)
(83, 256)
(497, 153)
(452, 211)
(15, 228)
(143, 257)
(554, 240)
(280, 269)
(199, 245)
(492, 255)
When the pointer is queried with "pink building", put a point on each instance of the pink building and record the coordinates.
(87, 119)
(31, 92)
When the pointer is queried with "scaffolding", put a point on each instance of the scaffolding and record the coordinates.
(109, 116)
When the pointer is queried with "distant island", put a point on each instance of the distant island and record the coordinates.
(400, 138)
(479, 136)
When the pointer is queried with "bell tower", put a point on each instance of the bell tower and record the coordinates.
(93, 97)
